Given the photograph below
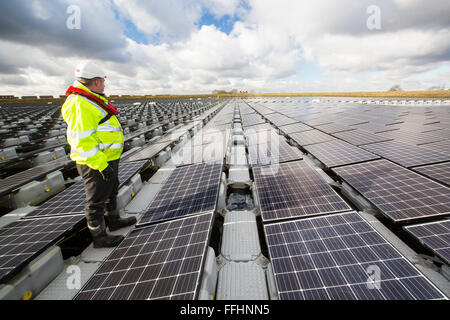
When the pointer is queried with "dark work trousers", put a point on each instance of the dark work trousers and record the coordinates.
(101, 196)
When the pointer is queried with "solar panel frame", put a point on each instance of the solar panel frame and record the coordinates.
(162, 261)
(188, 190)
(400, 194)
(294, 189)
(434, 236)
(23, 240)
(333, 258)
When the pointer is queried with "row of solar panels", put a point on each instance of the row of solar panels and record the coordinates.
(327, 258)
(25, 239)
(399, 193)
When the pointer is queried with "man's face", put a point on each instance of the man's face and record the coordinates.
(99, 85)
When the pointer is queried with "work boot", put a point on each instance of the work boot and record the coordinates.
(116, 223)
(107, 241)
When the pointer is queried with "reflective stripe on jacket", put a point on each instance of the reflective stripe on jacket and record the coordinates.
(91, 143)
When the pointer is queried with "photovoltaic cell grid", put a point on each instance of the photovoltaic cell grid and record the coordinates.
(310, 137)
(280, 119)
(405, 154)
(251, 120)
(23, 240)
(334, 128)
(399, 193)
(439, 172)
(360, 137)
(435, 236)
(294, 189)
(265, 154)
(335, 258)
(73, 199)
(262, 137)
(163, 261)
(16, 181)
(296, 127)
(199, 153)
(337, 153)
(188, 190)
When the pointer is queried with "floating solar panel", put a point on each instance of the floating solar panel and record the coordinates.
(199, 153)
(334, 128)
(441, 146)
(73, 199)
(164, 261)
(341, 257)
(296, 127)
(294, 189)
(337, 153)
(18, 180)
(435, 236)
(374, 127)
(188, 190)
(259, 127)
(439, 172)
(251, 120)
(405, 154)
(310, 137)
(280, 119)
(262, 137)
(413, 138)
(360, 137)
(265, 154)
(23, 240)
(146, 152)
(399, 193)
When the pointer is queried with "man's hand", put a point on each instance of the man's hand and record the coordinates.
(108, 174)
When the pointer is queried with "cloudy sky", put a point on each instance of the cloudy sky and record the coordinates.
(196, 46)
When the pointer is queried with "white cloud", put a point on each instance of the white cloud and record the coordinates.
(262, 52)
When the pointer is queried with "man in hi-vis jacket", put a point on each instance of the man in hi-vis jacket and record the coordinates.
(96, 140)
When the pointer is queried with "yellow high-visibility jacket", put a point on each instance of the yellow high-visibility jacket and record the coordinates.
(91, 143)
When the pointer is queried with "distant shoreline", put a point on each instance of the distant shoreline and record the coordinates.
(435, 94)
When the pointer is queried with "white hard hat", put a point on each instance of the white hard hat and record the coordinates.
(88, 70)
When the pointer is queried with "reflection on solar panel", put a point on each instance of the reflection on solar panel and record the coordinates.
(435, 236)
(280, 119)
(128, 170)
(251, 120)
(399, 193)
(23, 240)
(259, 127)
(262, 137)
(188, 190)
(439, 172)
(264, 154)
(199, 153)
(73, 199)
(146, 152)
(341, 257)
(441, 146)
(296, 127)
(405, 154)
(163, 261)
(294, 189)
(412, 137)
(360, 137)
(310, 137)
(334, 128)
(337, 153)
